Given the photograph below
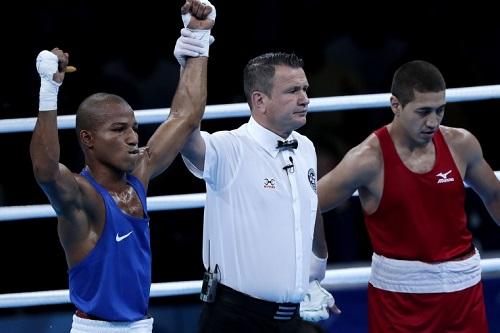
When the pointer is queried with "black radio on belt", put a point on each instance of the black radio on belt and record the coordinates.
(209, 286)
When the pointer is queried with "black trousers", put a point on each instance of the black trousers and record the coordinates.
(234, 312)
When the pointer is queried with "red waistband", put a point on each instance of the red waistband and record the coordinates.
(81, 314)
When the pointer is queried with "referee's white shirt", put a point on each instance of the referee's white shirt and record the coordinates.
(259, 219)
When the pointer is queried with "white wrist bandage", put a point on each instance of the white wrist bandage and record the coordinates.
(317, 268)
(47, 65)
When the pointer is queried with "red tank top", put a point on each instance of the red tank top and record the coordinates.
(420, 216)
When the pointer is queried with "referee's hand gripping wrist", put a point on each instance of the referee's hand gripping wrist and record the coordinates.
(187, 46)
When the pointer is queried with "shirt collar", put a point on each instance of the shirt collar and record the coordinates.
(264, 137)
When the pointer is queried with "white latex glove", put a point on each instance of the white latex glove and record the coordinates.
(187, 46)
(317, 303)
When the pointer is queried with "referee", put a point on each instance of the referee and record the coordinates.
(261, 207)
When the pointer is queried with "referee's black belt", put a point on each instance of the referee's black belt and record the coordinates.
(270, 310)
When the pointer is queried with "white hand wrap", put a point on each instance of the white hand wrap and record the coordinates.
(201, 35)
(317, 268)
(47, 65)
(316, 303)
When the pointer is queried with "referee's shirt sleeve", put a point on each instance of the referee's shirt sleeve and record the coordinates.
(222, 159)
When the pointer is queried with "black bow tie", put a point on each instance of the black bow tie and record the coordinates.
(287, 144)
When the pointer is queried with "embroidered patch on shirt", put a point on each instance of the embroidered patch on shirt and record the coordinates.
(311, 175)
(269, 183)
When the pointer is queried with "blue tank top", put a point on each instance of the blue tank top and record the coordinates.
(113, 281)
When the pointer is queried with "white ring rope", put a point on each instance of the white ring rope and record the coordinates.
(335, 279)
(162, 202)
(197, 200)
(157, 203)
(319, 104)
(345, 278)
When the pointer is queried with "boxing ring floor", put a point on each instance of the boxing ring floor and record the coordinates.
(175, 305)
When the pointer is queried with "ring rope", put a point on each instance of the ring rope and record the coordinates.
(335, 279)
(344, 278)
(157, 203)
(318, 104)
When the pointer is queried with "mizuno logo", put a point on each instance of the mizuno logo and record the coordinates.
(120, 238)
(443, 177)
